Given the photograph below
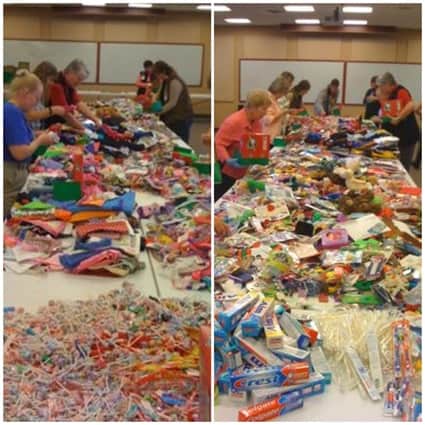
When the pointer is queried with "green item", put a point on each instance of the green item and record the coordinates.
(36, 206)
(363, 285)
(156, 107)
(83, 140)
(364, 299)
(279, 142)
(182, 150)
(303, 114)
(55, 151)
(386, 120)
(377, 200)
(203, 167)
(66, 191)
(254, 185)
(218, 178)
(366, 243)
(296, 126)
(251, 161)
(246, 215)
(336, 112)
(41, 150)
(316, 217)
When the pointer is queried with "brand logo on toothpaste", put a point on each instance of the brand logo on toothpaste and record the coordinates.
(248, 383)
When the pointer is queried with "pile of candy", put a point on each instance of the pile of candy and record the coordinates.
(120, 357)
(316, 230)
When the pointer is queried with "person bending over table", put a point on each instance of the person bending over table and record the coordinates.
(19, 142)
(274, 119)
(327, 98)
(232, 131)
(63, 92)
(47, 73)
(177, 111)
(404, 125)
(288, 78)
(295, 96)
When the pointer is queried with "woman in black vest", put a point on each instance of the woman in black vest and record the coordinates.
(177, 111)
(404, 125)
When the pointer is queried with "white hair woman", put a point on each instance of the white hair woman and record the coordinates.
(64, 93)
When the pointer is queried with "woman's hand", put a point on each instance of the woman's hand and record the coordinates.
(58, 110)
(376, 120)
(98, 122)
(395, 121)
(46, 139)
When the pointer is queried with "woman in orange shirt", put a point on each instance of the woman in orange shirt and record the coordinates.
(230, 134)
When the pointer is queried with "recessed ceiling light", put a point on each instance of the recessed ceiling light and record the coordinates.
(141, 5)
(307, 21)
(94, 3)
(299, 8)
(357, 9)
(216, 7)
(238, 20)
(355, 22)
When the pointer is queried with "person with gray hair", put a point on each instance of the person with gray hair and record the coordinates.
(397, 103)
(63, 92)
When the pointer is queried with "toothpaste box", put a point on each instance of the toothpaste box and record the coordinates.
(272, 409)
(254, 351)
(271, 376)
(294, 329)
(230, 317)
(253, 322)
(315, 385)
(220, 335)
(273, 332)
(292, 354)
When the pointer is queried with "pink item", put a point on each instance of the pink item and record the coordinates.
(104, 258)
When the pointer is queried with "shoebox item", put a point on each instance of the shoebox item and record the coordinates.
(254, 149)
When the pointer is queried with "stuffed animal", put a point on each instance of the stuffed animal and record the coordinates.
(355, 201)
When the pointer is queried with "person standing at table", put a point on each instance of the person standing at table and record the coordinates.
(370, 95)
(403, 124)
(63, 92)
(19, 142)
(274, 119)
(177, 111)
(295, 96)
(145, 78)
(231, 133)
(288, 79)
(327, 99)
(47, 73)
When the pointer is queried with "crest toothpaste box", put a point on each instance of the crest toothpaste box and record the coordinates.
(272, 408)
(253, 322)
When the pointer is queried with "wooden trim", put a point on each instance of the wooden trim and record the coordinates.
(344, 81)
(97, 62)
(48, 40)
